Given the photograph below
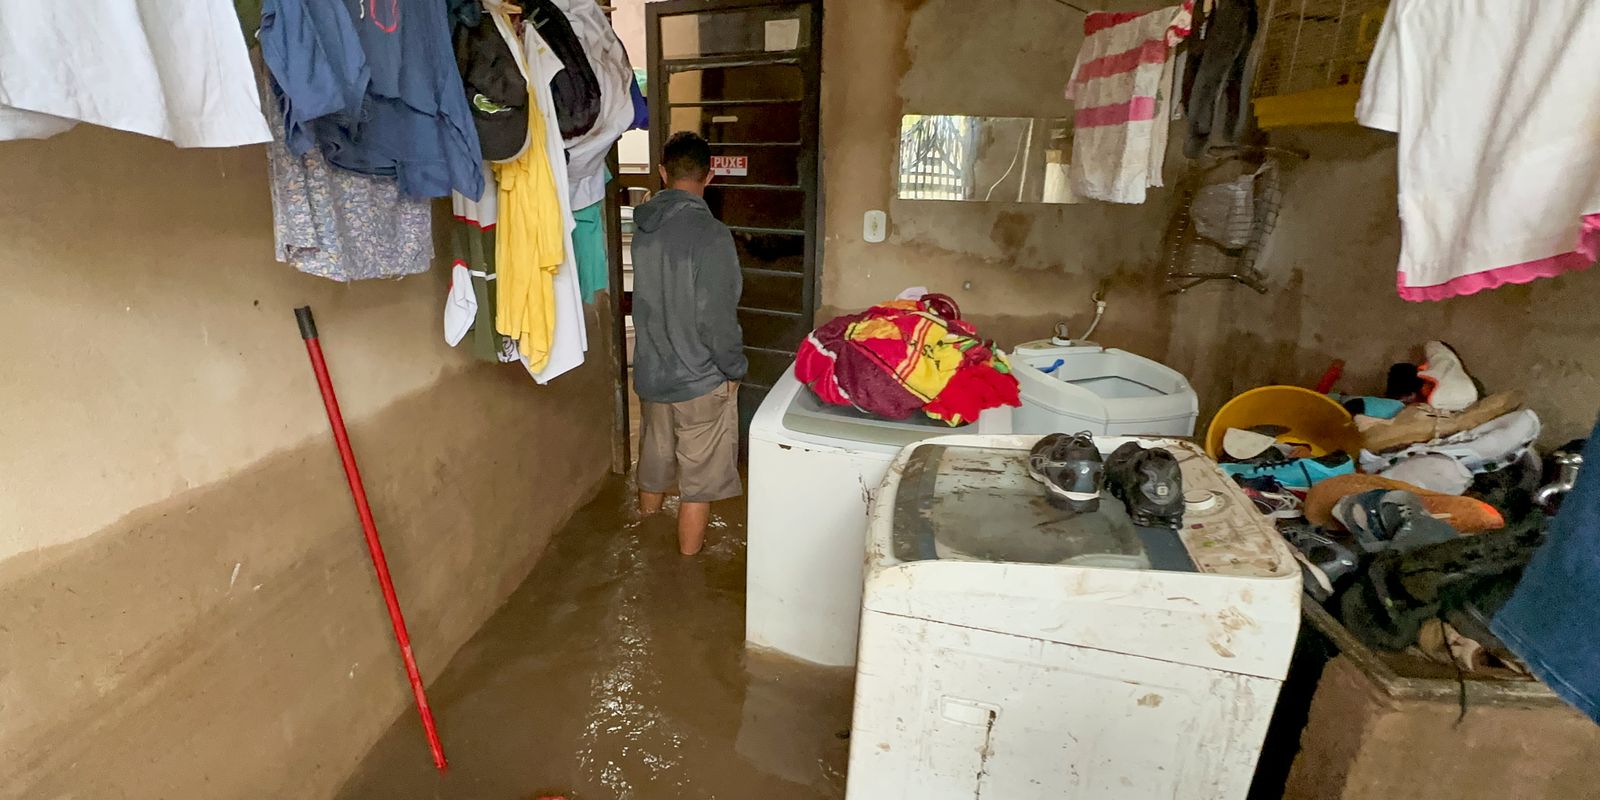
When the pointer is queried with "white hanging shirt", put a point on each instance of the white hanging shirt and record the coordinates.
(1497, 104)
(572, 334)
(172, 69)
(609, 60)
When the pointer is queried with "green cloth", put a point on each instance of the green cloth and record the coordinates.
(249, 12)
(589, 249)
(473, 248)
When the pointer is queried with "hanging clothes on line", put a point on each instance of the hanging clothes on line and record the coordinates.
(570, 338)
(460, 305)
(171, 69)
(341, 225)
(377, 89)
(1217, 79)
(576, 87)
(641, 106)
(530, 235)
(589, 240)
(529, 249)
(496, 81)
(1122, 88)
(1496, 105)
(586, 152)
(473, 239)
(472, 245)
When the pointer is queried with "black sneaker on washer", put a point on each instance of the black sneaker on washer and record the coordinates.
(1039, 456)
(1070, 468)
(1149, 482)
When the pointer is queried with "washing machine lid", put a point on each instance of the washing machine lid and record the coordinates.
(950, 542)
(807, 414)
(967, 503)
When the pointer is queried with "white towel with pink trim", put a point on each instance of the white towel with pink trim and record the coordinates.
(1497, 105)
(1121, 86)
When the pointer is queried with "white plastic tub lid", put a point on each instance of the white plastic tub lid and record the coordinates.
(807, 414)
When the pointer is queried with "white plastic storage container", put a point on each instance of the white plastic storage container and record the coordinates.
(1081, 386)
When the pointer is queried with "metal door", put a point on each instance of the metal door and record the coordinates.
(746, 75)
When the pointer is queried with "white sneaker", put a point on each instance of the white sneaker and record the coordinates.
(1450, 387)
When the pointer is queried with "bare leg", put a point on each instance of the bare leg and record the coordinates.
(692, 520)
(650, 502)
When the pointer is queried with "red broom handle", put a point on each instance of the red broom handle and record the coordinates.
(308, 332)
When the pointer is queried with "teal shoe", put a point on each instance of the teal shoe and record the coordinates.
(1301, 473)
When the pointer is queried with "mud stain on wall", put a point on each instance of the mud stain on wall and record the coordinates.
(243, 618)
(1010, 231)
(1022, 267)
(1331, 266)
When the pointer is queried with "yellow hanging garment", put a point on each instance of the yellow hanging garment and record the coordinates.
(529, 247)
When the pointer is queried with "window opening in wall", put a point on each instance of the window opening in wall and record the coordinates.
(936, 155)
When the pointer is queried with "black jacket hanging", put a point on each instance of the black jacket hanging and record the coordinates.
(1216, 89)
(575, 87)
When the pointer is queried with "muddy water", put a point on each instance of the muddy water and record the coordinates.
(618, 670)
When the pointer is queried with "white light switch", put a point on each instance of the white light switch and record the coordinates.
(875, 227)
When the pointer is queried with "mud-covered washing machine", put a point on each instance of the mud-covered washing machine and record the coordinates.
(1010, 649)
(814, 469)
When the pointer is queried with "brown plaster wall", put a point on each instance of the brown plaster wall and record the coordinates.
(1333, 260)
(1015, 269)
(1018, 268)
(187, 608)
(1362, 745)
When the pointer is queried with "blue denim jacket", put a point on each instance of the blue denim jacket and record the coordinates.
(1552, 621)
(374, 85)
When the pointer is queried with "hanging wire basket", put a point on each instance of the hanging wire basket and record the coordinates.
(1231, 247)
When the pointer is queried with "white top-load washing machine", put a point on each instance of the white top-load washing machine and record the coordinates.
(1073, 386)
(814, 468)
(1013, 650)
(813, 471)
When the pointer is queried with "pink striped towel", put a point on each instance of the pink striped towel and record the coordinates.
(1121, 86)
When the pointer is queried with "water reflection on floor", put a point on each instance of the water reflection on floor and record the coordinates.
(618, 670)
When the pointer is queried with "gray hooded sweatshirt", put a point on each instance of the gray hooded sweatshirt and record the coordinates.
(686, 286)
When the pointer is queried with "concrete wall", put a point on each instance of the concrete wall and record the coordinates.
(1360, 744)
(186, 605)
(1332, 264)
(1015, 269)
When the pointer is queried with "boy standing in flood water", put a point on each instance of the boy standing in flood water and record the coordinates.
(689, 351)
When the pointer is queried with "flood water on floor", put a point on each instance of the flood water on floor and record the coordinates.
(618, 670)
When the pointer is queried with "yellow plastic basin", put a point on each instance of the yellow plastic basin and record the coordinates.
(1310, 417)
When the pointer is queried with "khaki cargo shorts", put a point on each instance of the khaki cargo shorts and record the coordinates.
(693, 445)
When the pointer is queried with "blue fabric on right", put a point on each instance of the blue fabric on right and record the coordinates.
(1552, 620)
(641, 108)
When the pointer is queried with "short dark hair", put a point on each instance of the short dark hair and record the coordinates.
(686, 156)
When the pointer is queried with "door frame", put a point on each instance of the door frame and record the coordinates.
(809, 60)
